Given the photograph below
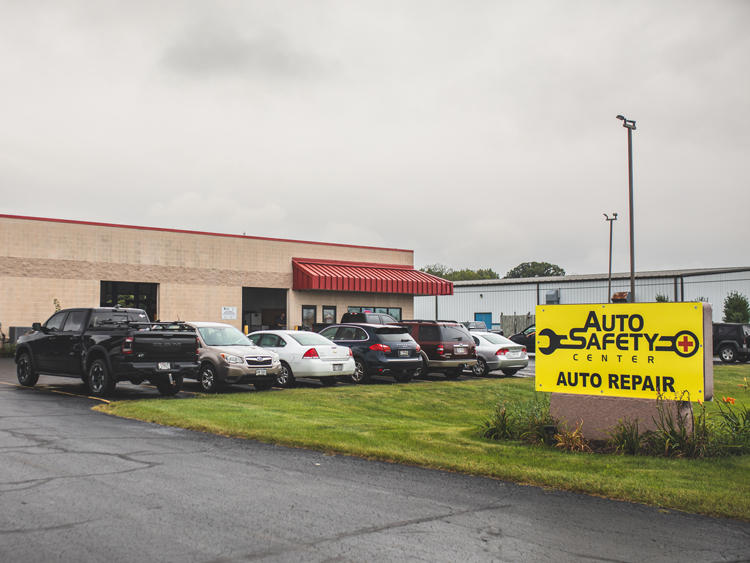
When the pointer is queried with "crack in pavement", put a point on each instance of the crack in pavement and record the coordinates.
(45, 529)
(296, 546)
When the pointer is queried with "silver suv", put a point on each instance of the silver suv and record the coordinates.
(227, 356)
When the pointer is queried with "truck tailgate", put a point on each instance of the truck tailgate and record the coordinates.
(158, 345)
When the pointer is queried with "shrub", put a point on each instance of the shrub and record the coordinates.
(572, 440)
(626, 438)
(673, 438)
(734, 427)
(7, 350)
(524, 421)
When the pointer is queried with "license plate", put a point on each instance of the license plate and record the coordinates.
(403, 352)
(260, 372)
(338, 367)
(459, 350)
(513, 354)
(164, 365)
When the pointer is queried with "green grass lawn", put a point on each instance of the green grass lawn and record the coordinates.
(435, 424)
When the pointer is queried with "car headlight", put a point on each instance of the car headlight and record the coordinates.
(275, 358)
(232, 359)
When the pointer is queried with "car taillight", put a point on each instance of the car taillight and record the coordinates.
(419, 348)
(127, 345)
(502, 352)
(311, 353)
(441, 349)
(351, 354)
(197, 345)
(523, 350)
(380, 347)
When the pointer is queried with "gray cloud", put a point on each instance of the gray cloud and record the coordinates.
(212, 47)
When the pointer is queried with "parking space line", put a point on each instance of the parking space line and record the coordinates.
(55, 391)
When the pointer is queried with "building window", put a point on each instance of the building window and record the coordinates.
(329, 315)
(309, 312)
(395, 312)
(129, 294)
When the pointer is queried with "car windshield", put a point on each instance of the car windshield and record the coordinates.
(394, 335)
(310, 338)
(456, 333)
(223, 336)
(496, 339)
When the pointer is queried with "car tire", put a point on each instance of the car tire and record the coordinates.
(727, 354)
(480, 369)
(101, 382)
(421, 370)
(25, 371)
(329, 381)
(263, 385)
(286, 376)
(404, 376)
(169, 389)
(510, 372)
(453, 373)
(361, 374)
(207, 379)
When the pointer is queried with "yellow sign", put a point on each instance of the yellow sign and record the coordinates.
(621, 350)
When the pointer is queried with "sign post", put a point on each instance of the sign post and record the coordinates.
(606, 362)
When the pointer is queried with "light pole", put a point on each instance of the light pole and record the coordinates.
(630, 126)
(609, 279)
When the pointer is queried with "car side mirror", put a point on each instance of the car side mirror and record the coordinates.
(37, 327)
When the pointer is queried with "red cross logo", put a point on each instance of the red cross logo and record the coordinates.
(685, 344)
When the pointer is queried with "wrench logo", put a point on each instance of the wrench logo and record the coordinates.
(555, 342)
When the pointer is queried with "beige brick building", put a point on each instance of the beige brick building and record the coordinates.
(189, 275)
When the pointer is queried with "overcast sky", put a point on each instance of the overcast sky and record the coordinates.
(479, 134)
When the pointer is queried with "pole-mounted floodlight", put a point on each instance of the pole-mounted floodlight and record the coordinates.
(609, 279)
(629, 124)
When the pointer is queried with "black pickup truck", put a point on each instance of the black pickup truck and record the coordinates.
(105, 345)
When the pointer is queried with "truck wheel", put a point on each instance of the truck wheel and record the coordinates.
(263, 385)
(509, 371)
(207, 379)
(727, 354)
(285, 377)
(360, 375)
(169, 389)
(480, 368)
(101, 382)
(404, 376)
(25, 371)
(421, 370)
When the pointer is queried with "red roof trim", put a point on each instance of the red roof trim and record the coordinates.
(338, 275)
(161, 229)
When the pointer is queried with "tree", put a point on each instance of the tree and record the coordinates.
(534, 269)
(439, 270)
(446, 273)
(736, 308)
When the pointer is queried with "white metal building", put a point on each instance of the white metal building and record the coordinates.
(488, 300)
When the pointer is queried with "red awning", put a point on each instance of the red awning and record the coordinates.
(337, 275)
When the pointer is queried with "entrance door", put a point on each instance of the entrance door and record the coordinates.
(486, 318)
(130, 294)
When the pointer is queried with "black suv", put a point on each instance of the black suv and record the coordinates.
(378, 349)
(731, 342)
(447, 347)
(369, 318)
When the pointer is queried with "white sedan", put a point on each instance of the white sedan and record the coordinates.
(305, 354)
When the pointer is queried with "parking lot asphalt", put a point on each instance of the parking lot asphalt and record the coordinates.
(81, 486)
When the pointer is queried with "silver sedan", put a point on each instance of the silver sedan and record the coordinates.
(497, 352)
